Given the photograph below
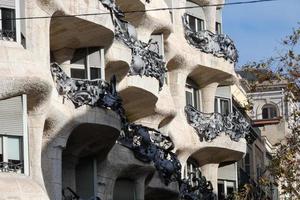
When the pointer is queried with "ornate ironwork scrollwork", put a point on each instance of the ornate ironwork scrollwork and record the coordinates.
(11, 167)
(211, 125)
(196, 188)
(146, 60)
(96, 93)
(149, 145)
(219, 45)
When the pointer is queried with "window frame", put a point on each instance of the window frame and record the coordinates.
(196, 95)
(23, 141)
(269, 108)
(86, 66)
(17, 23)
(197, 22)
(218, 28)
(217, 104)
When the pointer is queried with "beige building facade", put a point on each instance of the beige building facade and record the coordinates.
(99, 101)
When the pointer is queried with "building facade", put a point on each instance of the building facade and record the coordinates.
(115, 100)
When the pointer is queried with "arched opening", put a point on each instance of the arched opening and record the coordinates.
(269, 111)
(86, 145)
(124, 189)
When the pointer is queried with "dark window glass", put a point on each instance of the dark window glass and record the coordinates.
(8, 31)
(200, 24)
(269, 112)
(265, 113)
(224, 105)
(95, 73)
(79, 57)
(216, 105)
(1, 149)
(221, 191)
(230, 191)
(78, 73)
(189, 98)
(7, 19)
(192, 22)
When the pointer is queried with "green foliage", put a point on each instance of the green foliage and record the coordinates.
(284, 167)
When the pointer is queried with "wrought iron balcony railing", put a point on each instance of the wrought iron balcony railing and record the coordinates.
(146, 60)
(11, 167)
(96, 93)
(219, 45)
(211, 125)
(149, 145)
(196, 187)
(8, 35)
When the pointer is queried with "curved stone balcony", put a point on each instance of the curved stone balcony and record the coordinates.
(219, 45)
(223, 135)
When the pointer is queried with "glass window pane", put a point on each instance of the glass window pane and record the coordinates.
(78, 73)
(200, 24)
(189, 98)
(95, 73)
(7, 15)
(216, 105)
(13, 149)
(221, 191)
(79, 57)
(273, 112)
(94, 57)
(1, 149)
(224, 106)
(192, 22)
(265, 114)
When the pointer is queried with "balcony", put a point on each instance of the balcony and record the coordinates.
(8, 35)
(95, 93)
(220, 136)
(145, 60)
(210, 125)
(11, 167)
(219, 45)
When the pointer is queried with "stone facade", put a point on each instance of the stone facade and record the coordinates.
(129, 136)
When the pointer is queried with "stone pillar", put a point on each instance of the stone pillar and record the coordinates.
(210, 15)
(208, 97)
(140, 188)
(210, 171)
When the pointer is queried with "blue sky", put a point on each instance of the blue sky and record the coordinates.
(258, 29)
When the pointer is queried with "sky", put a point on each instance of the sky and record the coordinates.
(258, 29)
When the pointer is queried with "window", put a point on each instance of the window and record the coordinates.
(226, 188)
(222, 105)
(192, 95)
(159, 39)
(269, 111)
(195, 23)
(124, 190)
(8, 25)
(88, 63)
(218, 28)
(191, 171)
(13, 135)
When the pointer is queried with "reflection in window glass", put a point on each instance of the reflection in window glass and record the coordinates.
(269, 112)
(14, 150)
(78, 73)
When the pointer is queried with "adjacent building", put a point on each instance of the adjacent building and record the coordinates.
(100, 101)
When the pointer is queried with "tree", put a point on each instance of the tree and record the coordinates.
(284, 167)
